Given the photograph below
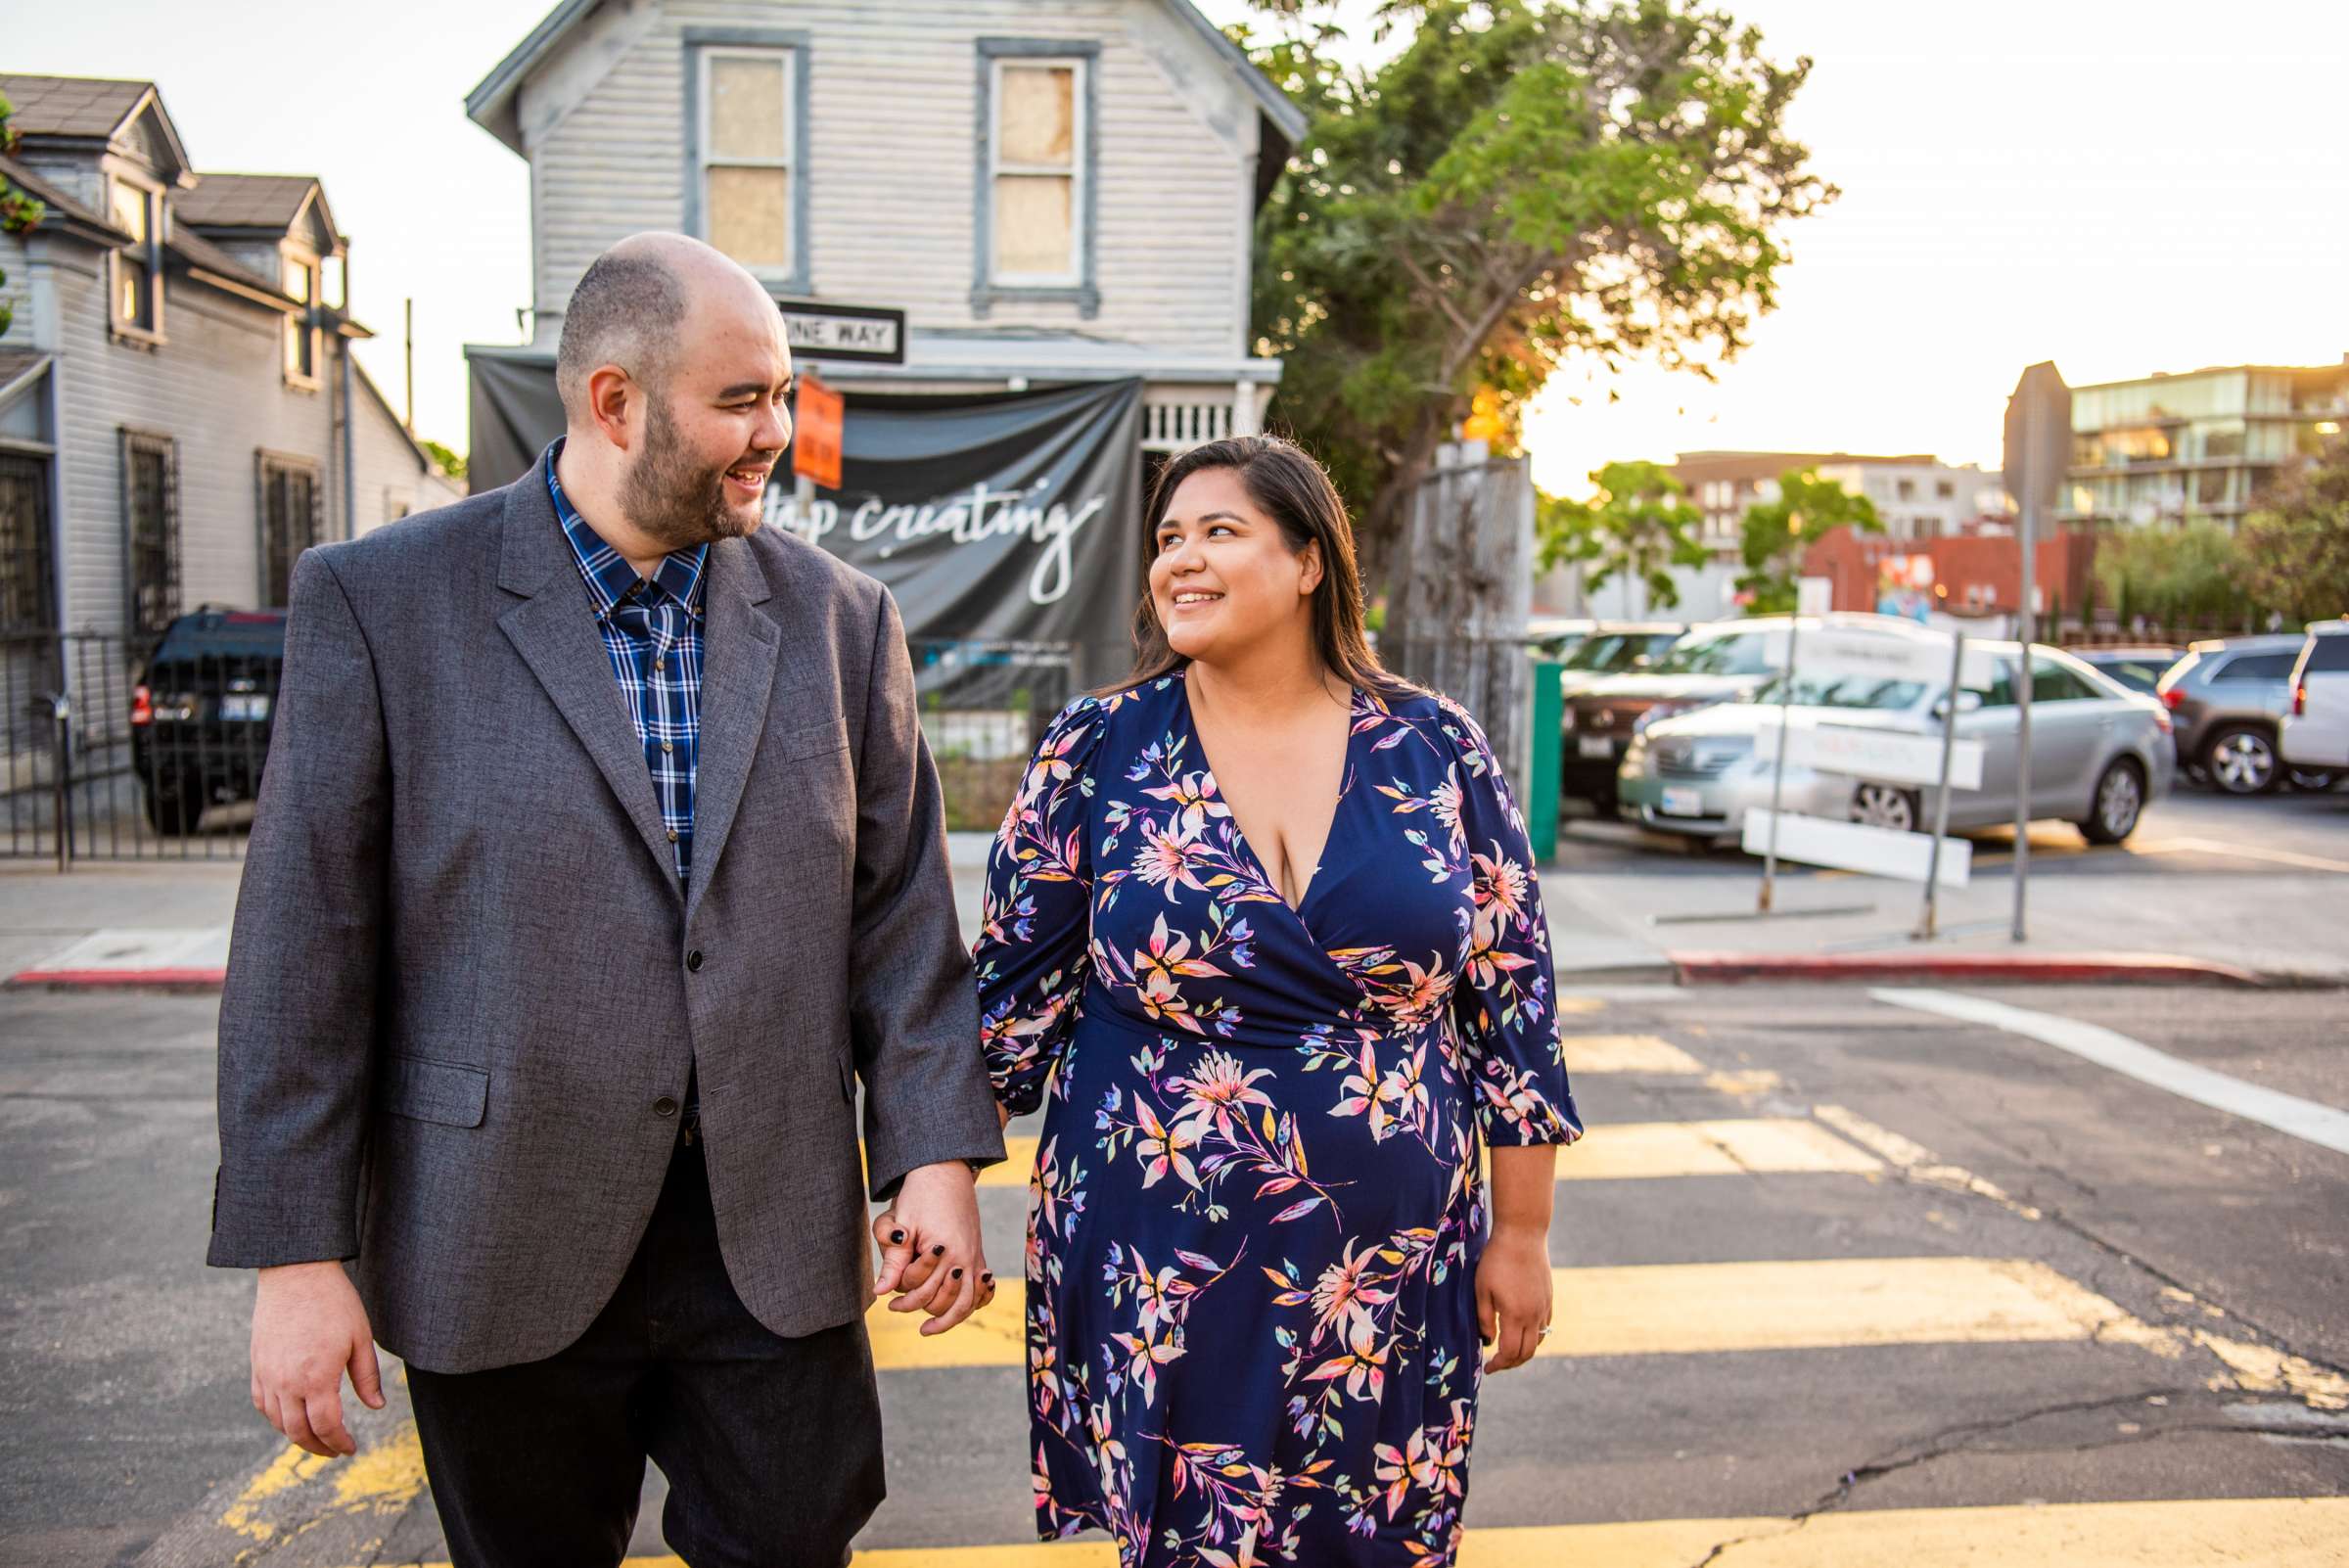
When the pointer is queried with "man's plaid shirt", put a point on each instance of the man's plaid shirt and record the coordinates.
(652, 629)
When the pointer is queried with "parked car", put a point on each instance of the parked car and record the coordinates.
(1615, 649)
(2137, 669)
(1556, 636)
(2100, 753)
(2228, 697)
(1708, 665)
(201, 712)
(2316, 726)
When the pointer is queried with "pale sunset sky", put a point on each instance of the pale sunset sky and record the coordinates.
(2123, 189)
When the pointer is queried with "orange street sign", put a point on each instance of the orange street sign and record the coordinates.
(816, 419)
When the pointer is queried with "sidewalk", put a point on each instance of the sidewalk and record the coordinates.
(1701, 927)
(166, 925)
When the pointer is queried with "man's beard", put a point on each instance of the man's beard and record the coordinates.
(679, 502)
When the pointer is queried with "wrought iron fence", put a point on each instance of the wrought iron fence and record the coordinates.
(985, 705)
(103, 757)
(108, 753)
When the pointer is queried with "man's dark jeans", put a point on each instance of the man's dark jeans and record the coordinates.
(772, 1446)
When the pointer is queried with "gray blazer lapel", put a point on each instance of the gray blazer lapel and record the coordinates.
(738, 676)
(554, 631)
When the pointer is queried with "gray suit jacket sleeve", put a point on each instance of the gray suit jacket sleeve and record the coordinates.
(298, 1011)
(913, 1006)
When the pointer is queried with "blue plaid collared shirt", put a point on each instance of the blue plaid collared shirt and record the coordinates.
(651, 631)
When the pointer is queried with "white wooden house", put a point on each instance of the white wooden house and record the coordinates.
(1054, 191)
(179, 412)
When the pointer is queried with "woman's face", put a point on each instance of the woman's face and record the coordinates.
(1222, 577)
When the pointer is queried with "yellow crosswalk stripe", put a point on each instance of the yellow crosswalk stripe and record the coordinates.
(1617, 1151)
(1628, 1054)
(1629, 1151)
(1687, 1309)
(2242, 1532)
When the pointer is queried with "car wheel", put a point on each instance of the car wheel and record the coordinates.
(174, 804)
(1882, 805)
(2314, 780)
(2241, 760)
(2120, 800)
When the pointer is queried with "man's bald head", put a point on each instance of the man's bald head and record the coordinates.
(632, 306)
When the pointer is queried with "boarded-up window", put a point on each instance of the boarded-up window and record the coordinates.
(747, 155)
(1035, 174)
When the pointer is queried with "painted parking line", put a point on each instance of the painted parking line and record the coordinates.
(2243, 1531)
(2242, 851)
(1635, 1151)
(1676, 1309)
(2308, 1120)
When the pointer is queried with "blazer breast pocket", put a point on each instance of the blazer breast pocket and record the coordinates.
(805, 742)
(425, 1090)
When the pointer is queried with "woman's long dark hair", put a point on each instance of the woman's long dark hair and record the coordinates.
(1288, 486)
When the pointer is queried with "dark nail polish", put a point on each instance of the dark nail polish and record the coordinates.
(937, 1251)
(896, 1236)
(986, 1279)
(957, 1273)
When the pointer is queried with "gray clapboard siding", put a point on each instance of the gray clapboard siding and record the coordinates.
(890, 183)
(216, 386)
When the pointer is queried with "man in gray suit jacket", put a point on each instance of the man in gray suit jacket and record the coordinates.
(599, 855)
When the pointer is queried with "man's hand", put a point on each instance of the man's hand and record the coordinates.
(308, 1329)
(930, 1246)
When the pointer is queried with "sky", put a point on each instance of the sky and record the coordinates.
(2121, 189)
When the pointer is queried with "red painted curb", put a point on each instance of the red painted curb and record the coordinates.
(118, 979)
(2050, 969)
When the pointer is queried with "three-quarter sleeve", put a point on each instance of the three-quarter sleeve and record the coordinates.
(1504, 1007)
(1035, 918)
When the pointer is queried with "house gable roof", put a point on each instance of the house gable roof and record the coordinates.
(97, 109)
(490, 105)
(271, 205)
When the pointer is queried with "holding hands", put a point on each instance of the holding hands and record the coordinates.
(931, 1254)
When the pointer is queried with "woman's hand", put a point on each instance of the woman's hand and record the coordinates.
(1512, 1282)
(930, 1253)
(1513, 1296)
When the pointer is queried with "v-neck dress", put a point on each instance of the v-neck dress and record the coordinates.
(1257, 1211)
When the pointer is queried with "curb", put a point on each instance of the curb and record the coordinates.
(2029, 969)
(160, 980)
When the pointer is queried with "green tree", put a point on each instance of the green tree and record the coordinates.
(1775, 533)
(2296, 548)
(17, 211)
(1637, 524)
(451, 463)
(2194, 579)
(1524, 181)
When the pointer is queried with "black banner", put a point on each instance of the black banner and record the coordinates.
(1011, 516)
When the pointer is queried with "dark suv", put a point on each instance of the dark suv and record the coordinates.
(201, 712)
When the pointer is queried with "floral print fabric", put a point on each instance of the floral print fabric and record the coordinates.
(1257, 1211)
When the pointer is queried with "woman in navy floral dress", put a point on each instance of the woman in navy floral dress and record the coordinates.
(1261, 1254)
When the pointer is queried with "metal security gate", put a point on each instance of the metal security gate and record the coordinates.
(96, 764)
(985, 705)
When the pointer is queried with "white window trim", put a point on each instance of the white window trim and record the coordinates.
(1074, 173)
(706, 57)
(154, 259)
(290, 252)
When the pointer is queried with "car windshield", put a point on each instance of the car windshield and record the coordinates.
(1608, 651)
(1735, 653)
(1844, 691)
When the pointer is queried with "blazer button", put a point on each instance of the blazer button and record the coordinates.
(665, 1106)
(693, 960)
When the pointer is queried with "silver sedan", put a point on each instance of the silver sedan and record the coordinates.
(2100, 754)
